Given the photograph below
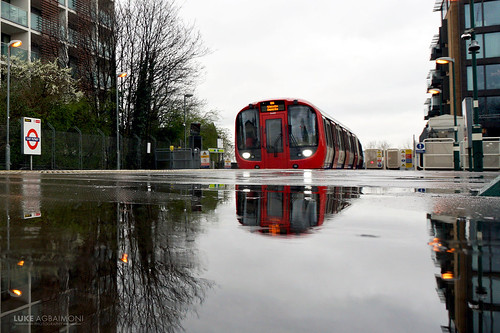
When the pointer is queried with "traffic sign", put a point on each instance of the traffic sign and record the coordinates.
(216, 150)
(31, 136)
(420, 148)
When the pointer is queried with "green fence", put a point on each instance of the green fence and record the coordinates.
(74, 150)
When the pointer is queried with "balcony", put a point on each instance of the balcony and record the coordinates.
(14, 14)
(36, 22)
(14, 52)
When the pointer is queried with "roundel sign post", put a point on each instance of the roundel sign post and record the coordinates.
(31, 136)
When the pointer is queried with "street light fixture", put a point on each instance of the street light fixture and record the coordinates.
(456, 146)
(14, 43)
(121, 75)
(185, 136)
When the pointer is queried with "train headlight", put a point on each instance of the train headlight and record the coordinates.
(246, 155)
(307, 152)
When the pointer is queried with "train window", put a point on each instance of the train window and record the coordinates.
(274, 136)
(247, 129)
(329, 139)
(303, 128)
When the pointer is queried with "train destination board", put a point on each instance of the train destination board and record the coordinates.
(272, 106)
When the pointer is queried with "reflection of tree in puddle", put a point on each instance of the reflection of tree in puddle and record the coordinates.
(467, 252)
(68, 270)
(158, 284)
(287, 210)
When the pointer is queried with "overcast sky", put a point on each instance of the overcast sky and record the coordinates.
(363, 62)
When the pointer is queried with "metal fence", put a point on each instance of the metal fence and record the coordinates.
(74, 150)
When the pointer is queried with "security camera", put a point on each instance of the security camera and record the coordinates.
(474, 46)
(466, 36)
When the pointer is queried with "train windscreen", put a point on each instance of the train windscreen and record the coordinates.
(303, 126)
(247, 129)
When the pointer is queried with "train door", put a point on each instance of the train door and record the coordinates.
(274, 155)
(275, 209)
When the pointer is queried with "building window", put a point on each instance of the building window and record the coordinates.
(480, 78)
(491, 13)
(493, 105)
(492, 76)
(478, 15)
(488, 77)
(485, 14)
(492, 45)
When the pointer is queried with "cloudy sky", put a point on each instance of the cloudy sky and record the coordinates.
(363, 62)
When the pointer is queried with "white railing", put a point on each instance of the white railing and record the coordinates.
(438, 153)
(491, 154)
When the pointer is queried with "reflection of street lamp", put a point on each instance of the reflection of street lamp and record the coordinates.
(185, 96)
(456, 148)
(121, 75)
(14, 43)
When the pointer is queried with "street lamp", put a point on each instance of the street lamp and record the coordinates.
(185, 137)
(456, 147)
(14, 43)
(121, 75)
(477, 133)
(437, 91)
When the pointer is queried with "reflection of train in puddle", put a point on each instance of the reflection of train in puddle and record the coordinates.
(285, 210)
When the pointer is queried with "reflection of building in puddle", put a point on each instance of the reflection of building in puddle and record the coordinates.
(468, 255)
(285, 210)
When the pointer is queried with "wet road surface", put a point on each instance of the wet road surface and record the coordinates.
(249, 251)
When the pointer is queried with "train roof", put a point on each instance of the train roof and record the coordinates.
(289, 99)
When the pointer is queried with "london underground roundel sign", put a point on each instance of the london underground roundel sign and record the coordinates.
(31, 136)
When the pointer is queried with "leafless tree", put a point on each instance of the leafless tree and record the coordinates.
(160, 53)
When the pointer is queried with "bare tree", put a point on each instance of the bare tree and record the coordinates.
(160, 53)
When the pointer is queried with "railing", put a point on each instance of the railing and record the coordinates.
(72, 4)
(36, 22)
(491, 154)
(14, 14)
(438, 153)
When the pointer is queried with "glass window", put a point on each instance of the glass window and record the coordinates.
(491, 13)
(492, 76)
(247, 129)
(480, 53)
(274, 136)
(478, 15)
(303, 127)
(493, 105)
(480, 78)
(492, 45)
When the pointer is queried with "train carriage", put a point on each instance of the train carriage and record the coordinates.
(293, 133)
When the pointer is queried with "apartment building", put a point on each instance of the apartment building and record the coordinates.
(453, 41)
(76, 32)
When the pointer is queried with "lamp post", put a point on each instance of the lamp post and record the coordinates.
(456, 146)
(121, 75)
(185, 136)
(14, 43)
(477, 133)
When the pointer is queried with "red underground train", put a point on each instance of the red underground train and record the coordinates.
(293, 134)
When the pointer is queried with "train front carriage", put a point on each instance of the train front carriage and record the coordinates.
(289, 133)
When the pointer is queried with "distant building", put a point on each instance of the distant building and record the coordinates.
(455, 21)
(76, 32)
